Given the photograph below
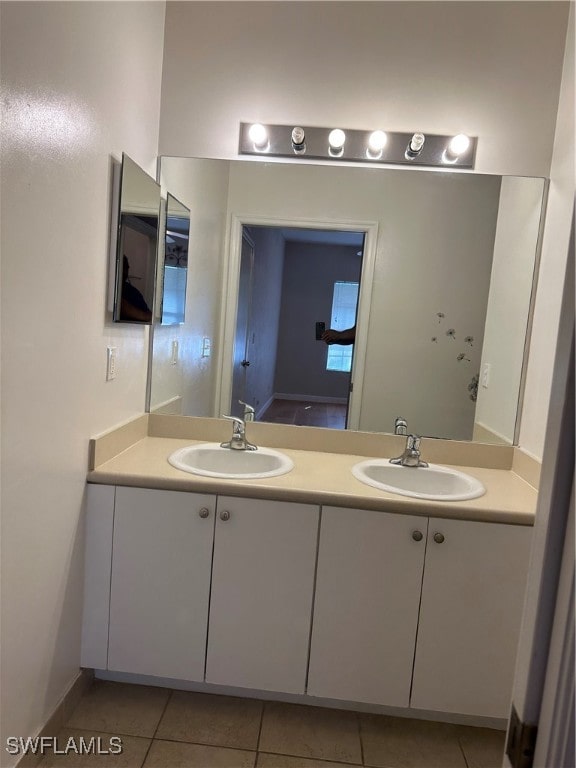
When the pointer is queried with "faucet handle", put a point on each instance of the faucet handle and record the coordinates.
(248, 411)
(413, 442)
(238, 422)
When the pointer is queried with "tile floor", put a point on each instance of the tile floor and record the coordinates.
(161, 728)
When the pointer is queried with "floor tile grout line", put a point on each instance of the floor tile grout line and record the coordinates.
(108, 732)
(260, 728)
(170, 692)
(204, 744)
(463, 752)
(314, 759)
(168, 700)
(359, 721)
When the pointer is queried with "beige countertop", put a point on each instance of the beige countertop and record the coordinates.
(319, 478)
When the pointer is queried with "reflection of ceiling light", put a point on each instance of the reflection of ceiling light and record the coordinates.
(336, 141)
(459, 145)
(376, 143)
(177, 234)
(258, 136)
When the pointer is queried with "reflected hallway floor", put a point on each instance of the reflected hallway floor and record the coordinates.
(306, 413)
(162, 728)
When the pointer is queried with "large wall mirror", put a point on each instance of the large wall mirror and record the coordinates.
(136, 245)
(433, 271)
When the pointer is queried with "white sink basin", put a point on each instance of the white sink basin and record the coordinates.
(211, 460)
(434, 482)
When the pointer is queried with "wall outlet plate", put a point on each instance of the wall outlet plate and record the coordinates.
(111, 354)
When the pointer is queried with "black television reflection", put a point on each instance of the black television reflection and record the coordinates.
(176, 239)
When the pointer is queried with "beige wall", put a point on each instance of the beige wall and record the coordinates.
(519, 219)
(74, 100)
(489, 69)
(193, 378)
(553, 264)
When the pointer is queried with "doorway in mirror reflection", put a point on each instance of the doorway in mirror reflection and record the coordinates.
(295, 324)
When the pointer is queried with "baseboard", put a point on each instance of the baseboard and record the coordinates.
(263, 408)
(61, 714)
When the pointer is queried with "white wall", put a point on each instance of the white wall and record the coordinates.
(205, 192)
(489, 69)
(560, 211)
(519, 217)
(81, 84)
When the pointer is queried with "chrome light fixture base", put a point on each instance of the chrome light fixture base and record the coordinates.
(397, 150)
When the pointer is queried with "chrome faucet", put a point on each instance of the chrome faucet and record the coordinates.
(411, 455)
(238, 440)
(400, 426)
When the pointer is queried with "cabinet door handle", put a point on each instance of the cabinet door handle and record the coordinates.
(417, 535)
(225, 515)
(204, 513)
(438, 538)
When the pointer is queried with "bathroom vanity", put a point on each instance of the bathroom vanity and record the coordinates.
(311, 585)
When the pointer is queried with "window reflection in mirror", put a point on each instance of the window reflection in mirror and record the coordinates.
(137, 245)
(176, 238)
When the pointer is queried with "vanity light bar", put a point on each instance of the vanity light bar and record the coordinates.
(388, 148)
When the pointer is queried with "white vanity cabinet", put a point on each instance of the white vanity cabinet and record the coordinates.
(197, 587)
(382, 608)
(366, 606)
(160, 583)
(262, 590)
(417, 612)
(472, 602)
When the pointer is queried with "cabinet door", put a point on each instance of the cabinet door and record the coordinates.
(366, 606)
(160, 582)
(261, 601)
(472, 601)
(97, 564)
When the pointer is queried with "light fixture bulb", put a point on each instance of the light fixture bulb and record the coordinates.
(298, 138)
(336, 139)
(459, 144)
(258, 135)
(377, 141)
(417, 142)
(298, 135)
